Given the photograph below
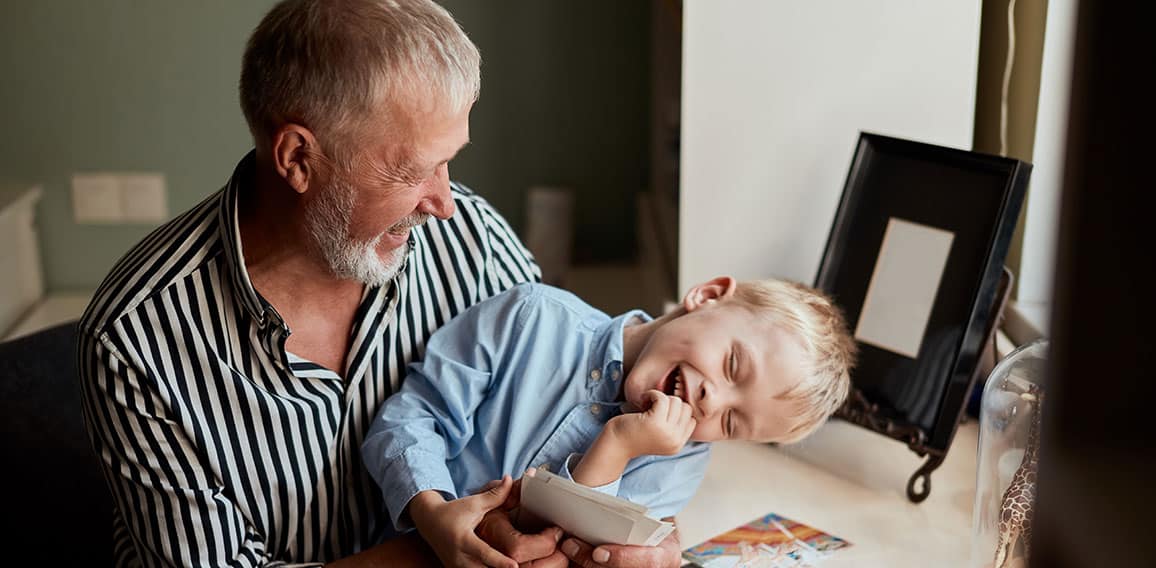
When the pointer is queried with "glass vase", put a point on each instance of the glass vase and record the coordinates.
(1006, 464)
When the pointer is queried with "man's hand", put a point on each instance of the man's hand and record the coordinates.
(666, 555)
(662, 430)
(448, 526)
(538, 550)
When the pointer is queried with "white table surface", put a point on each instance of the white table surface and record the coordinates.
(851, 483)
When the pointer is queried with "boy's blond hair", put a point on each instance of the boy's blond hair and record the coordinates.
(812, 317)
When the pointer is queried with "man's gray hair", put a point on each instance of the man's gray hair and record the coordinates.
(333, 66)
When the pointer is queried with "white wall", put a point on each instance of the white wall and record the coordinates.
(775, 93)
(1042, 220)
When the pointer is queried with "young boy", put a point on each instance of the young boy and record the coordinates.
(534, 377)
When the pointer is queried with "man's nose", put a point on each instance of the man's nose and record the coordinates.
(438, 201)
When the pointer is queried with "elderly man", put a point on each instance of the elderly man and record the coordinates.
(233, 360)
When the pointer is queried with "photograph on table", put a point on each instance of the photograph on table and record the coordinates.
(770, 541)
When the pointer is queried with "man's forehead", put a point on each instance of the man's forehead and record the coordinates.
(418, 152)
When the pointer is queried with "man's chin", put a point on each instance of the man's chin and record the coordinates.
(368, 263)
(391, 256)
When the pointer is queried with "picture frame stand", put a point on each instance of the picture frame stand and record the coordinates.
(859, 410)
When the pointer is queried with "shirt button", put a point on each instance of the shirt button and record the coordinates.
(595, 409)
(596, 374)
(615, 374)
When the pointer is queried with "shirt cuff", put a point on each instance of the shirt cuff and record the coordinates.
(572, 461)
(410, 473)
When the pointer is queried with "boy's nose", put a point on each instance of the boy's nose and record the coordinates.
(707, 399)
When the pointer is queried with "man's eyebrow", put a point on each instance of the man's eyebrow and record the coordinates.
(431, 163)
(459, 150)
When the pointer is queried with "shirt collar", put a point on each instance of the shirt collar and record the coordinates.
(262, 311)
(230, 228)
(605, 364)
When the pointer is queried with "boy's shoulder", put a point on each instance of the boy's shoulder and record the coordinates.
(536, 293)
(535, 302)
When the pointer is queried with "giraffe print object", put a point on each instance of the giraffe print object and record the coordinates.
(1015, 518)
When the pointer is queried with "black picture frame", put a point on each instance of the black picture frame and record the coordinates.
(977, 199)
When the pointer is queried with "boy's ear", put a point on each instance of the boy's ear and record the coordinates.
(714, 289)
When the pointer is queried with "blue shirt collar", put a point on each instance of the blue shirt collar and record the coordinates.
(604, 373)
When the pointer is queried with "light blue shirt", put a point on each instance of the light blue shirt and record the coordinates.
(526, 378)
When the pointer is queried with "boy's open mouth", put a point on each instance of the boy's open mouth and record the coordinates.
(674, 385)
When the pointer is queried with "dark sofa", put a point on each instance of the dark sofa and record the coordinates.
(57, 508)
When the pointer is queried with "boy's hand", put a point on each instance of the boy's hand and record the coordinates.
(662, 430)
(448, 526)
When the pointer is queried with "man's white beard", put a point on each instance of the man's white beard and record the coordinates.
(328, 219)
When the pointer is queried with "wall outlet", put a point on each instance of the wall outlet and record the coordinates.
(96, 198)
(143, 198)
(106, 198)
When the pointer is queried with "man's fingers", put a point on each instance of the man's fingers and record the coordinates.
(579, 553)
(556, 560)
(616, 556)
(527, 547)
(477, 548)
(497, 530)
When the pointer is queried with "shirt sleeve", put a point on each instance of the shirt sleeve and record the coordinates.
(176, 511)
(664, 484)
(430, 419)
(571, 462)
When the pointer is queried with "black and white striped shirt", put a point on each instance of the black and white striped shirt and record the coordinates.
(221, 448)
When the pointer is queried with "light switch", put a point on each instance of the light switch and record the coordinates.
(143, 198)
(96, 198)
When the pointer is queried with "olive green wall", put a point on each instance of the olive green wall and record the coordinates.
(120, 85)
(117, 85)
(1023, 89)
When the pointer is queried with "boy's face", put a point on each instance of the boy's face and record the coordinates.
(731, 365)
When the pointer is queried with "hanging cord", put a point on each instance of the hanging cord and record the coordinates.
(1007, 71)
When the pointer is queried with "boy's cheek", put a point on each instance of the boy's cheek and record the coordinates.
(703, 433)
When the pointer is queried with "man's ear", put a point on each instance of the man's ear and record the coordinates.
(294, 156)
(714, 289)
